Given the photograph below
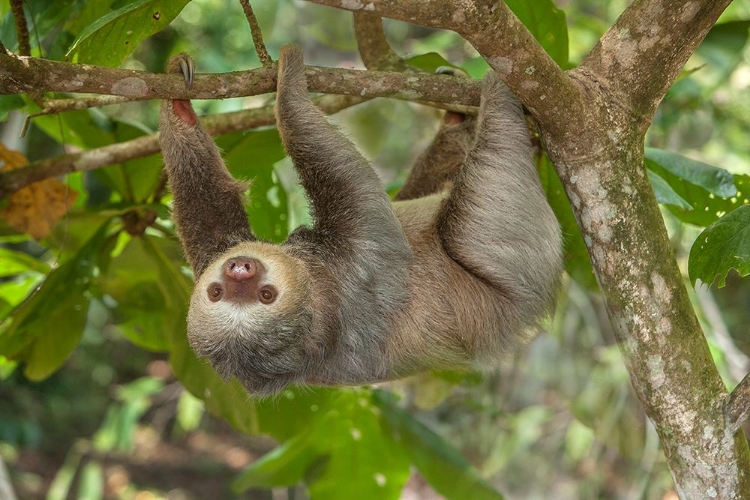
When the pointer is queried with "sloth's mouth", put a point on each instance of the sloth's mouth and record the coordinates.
(254, 363)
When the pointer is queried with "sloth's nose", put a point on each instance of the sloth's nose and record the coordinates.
(240, 268)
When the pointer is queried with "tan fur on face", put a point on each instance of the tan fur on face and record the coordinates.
(286, 272)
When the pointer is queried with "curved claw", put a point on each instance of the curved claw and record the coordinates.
(187, 67)
(450, 70)
(183, 64)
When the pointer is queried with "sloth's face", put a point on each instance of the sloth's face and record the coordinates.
(250, 314)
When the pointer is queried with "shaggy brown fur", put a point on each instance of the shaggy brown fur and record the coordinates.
(457, 272)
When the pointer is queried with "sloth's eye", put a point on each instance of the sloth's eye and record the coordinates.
(267, 294)
(215, 292)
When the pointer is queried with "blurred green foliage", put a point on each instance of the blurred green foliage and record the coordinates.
(88, 315)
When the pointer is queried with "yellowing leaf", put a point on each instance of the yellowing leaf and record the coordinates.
(35, 208)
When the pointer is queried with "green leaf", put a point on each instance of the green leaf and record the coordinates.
(16, 290)
(723, 48)
(143, 314)
(547, 23)
(91, 485)
(121, 422)
(48, 325)
(720, 247)
(253, 155)
(714, 180)
(711, 192)
(190, 411)
(339, 454)
(285, 415)
(664, 192)
(136, 179)
(44, 19)
(110, 39)
(7, 367)
(12, 263)
(284, 466)
(83, 128)
(9, 103)
(365, 460)
(444, 467)
(429, 62)
(139, 389)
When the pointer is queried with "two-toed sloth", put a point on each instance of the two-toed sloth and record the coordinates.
(456, 271)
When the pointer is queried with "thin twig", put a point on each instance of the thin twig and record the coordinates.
(22, 28)
(260, 46)
(54, 106)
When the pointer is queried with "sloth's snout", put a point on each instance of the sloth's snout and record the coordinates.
(240, 268)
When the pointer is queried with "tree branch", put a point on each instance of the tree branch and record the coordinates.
(260, 46)
(22, 27)
(642, 53)
(30, 74)
(53, 106)
(13, 180)
(503, 41)
(737, 405)
(374, 49)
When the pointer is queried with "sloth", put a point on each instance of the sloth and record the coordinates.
(456, 271)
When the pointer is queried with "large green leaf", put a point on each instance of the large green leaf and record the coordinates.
(547, 23)
(722, 246)
(441, 464)
(252, 156)
(135, 179)
(429, 62)
(664, 192)
(710, 191)
(364, 461)
(713, 179)
(294, 409)
(142, 314)
(342, 453)
(83, 128)
(48, 325)
(111, 38)
(284, 466)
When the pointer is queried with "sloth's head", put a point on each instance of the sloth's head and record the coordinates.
(251, 314)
